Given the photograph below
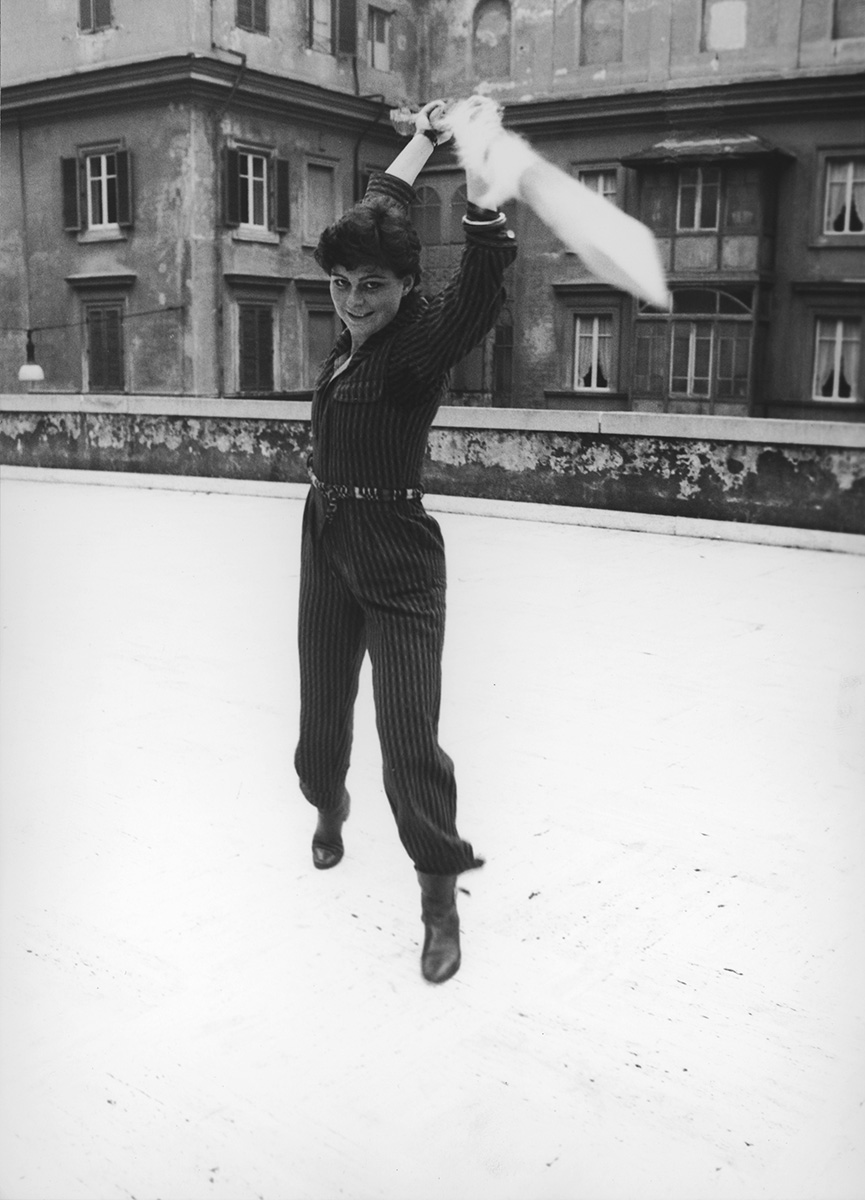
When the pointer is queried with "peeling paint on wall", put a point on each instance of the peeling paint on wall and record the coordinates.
(809, 487)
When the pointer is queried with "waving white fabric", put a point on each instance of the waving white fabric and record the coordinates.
(614, 246)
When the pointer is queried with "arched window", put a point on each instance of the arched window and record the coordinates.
(491, 44)
(457, 212)
(427, 216)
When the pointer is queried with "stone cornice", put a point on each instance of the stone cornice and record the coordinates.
(210, 80)
(691, 104)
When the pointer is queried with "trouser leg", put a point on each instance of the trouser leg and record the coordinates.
(405, 649)
(331, 647)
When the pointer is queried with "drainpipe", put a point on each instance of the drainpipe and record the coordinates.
(383, 107)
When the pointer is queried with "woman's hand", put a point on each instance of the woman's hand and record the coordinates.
(432, 117)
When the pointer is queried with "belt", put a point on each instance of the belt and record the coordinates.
(345, 491)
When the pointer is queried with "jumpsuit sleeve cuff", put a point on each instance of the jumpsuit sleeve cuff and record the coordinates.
(388, 187)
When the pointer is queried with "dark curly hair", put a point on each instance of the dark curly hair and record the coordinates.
(371, 233)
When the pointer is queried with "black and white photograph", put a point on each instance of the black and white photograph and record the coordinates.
(432, 600)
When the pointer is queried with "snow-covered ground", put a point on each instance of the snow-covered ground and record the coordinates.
(661, 752)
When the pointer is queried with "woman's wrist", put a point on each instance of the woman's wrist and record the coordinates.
(475, 212)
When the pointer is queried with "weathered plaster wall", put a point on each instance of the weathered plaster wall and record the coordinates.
(234, 448)
(165, 27)
(764, 472)
(804, 486)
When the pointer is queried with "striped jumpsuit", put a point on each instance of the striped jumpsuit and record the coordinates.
(373, 570)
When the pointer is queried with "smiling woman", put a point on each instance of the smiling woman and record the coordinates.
(367, 299)
(372, 565)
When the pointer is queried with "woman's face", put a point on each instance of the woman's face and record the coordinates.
(367, 298)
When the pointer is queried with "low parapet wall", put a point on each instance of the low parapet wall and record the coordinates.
(803, 474)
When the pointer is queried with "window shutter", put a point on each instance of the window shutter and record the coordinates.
(232, 187)
(346, 27)
(124, 189)
(244, 14)
(281, 206)
(255, 349)
(265, 349)
(101, 13)
(71, 194)
(105, 349)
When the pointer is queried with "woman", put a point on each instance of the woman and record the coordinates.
(372, 563)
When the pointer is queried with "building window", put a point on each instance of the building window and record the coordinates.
(103, 325)
(491, 44)
(605, 182)
(503, 360)
(320, 208)
(427, 216)
(593, 343)
(252, 15)
(255, 347)
(601, 32)
(456, 211)
(844, 210)
(836, 359)
(725, 25)
(101, 190)
(378, 30)
(97, 191)
(252, 180)
(699, 196)
(333, 26)
(94, 15)
(256, 190)
(848, 19)
(691, 358)
(321, 333)
(702, 350)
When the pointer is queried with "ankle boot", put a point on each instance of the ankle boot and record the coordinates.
(327, 848)
(440, 958)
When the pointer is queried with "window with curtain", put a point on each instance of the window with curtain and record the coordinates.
(836, 359)
(844, 210)
(605, 182)
(593, 341)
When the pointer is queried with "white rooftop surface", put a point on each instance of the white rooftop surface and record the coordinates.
(660, 744)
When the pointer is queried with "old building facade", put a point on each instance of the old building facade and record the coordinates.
(166, 170)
